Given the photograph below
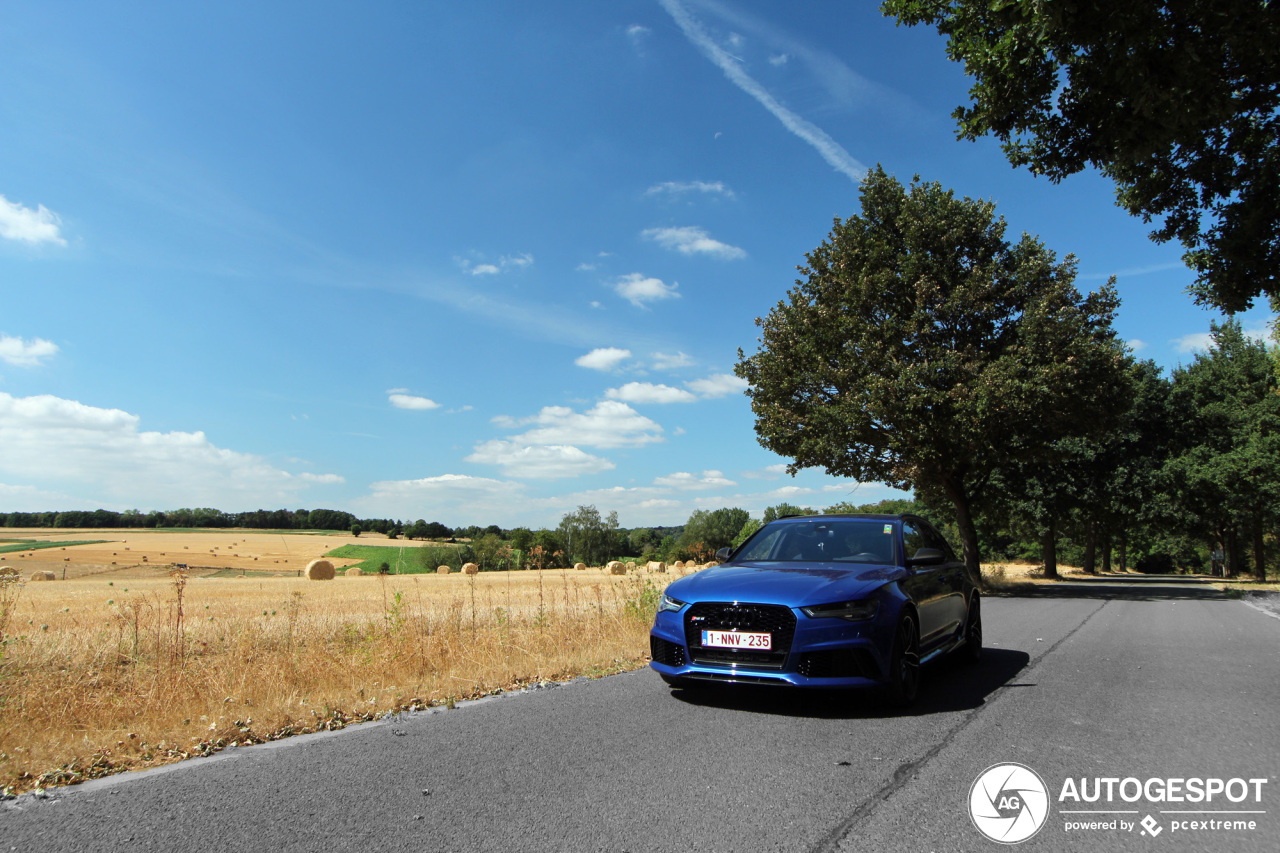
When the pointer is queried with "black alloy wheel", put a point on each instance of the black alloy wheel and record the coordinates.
(904, 663)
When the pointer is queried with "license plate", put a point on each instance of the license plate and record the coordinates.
(737, 640)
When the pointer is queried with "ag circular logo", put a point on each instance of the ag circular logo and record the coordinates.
(1008, 803)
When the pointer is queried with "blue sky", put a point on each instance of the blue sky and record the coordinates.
(474, 263)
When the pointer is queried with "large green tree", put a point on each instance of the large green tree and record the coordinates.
(712, 529)
(1177, 101)
(1226, 475)
(587, 536)
(922, 349)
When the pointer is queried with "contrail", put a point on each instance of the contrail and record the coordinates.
(830, 150)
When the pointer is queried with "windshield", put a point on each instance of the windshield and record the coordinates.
(837, 541)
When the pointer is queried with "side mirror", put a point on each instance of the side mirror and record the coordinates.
(723, 554)
(926, 557)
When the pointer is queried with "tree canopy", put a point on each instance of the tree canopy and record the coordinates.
(922, 349)
(1177, 101)
(587, 536)
(1226, 474)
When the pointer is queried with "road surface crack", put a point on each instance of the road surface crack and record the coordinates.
(909, 769)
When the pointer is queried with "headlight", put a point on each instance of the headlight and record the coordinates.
(852, 611)
(669, 603)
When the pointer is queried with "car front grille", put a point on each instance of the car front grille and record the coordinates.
(778, 621)
(836, 663)
(665, 651)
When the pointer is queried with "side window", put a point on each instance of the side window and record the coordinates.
(912, 538)
(934, 539)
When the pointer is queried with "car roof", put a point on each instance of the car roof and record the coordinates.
(869, 516)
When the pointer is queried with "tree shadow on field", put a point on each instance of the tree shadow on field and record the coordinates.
(946, 686)
(1126, 588)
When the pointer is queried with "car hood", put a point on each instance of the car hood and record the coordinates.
(784, 583)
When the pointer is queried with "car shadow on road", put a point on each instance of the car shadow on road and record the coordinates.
(947, 686)
(1130, 588)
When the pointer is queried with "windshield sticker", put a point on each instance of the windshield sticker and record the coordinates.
(888, 529)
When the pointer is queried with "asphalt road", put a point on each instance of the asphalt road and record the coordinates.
(1143, 680)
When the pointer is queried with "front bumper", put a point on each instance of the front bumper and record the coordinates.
(822, 653)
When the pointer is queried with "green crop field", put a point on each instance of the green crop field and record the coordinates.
(33, 545)
(410, 560)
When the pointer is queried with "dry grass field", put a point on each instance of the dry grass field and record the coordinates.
(124, 666)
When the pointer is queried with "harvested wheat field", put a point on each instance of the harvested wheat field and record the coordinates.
(129, 667)
(135, 553)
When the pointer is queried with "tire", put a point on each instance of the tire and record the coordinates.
(904, 663)
(971, 651)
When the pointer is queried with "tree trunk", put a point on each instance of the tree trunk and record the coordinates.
(1106, 549)
(1124, 551)
(1049, 548)
(1259, 552)
(968, 532)
(1233, 553)
(1091, 549)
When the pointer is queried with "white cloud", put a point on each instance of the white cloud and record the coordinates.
(21, 353)
(505, 263)
(664, 361)
(647, 392)
(685, 480)
(717, 385)
(1134, 271)
(779, 59)
(452, 498)
(603, 358)
(638, 289)
(1137, 345)
(828, 148)
(29, 226)
(691, 240)
(57, 443)
(679, 188)
(609, 423)
(1196, 342)
(321, 479)
(409, 401)
(1203, 341)
(768, 472)
(585, 267)
(545, 462)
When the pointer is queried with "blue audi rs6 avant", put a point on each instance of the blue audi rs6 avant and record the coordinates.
(829, 601)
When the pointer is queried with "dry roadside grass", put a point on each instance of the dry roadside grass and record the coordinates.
(106, 673)
(1009, 577)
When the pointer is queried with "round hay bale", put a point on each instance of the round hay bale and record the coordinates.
(470, 568)
(630, 565)
(656, 566)
(44, 575)
(8, 572)
(353, 572)
(616, 568)
(443, 570)
(579, 566)
(320, 570)
(678, 564)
